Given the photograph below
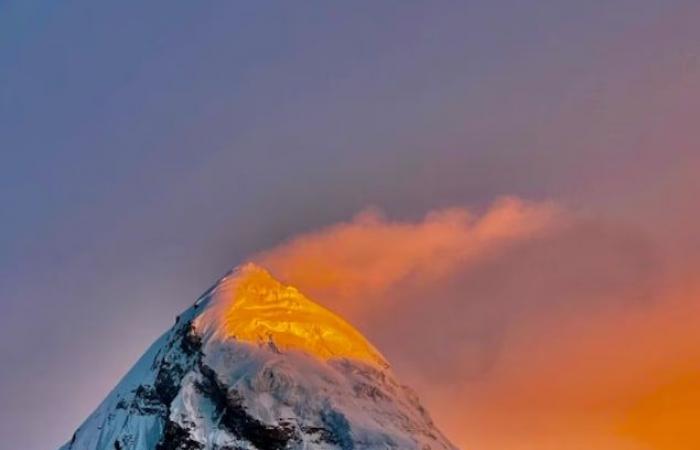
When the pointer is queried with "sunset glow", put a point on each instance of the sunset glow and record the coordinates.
(612, 364)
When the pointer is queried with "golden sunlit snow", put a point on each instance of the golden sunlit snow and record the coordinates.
(250, 305)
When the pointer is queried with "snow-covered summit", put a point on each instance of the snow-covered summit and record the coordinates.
(249, 305)
(254, 364)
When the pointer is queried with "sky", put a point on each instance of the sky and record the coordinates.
(501, 195)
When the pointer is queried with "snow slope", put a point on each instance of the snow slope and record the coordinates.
(254, 364)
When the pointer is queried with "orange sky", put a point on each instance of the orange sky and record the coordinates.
(526, 326)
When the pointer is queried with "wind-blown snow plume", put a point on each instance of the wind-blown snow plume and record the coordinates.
(465, 307)
(363, 258)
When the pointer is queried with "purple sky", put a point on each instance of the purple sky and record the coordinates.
(147, 148)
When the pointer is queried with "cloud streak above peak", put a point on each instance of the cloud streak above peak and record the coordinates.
(526, 306)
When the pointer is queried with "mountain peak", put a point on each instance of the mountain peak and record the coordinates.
(256, 365)
(250, 305)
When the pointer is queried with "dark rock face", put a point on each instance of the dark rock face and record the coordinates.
(338, 430)
(147, 400)
(233, 417)
(173, 366)
(177, 438)
(171, 371)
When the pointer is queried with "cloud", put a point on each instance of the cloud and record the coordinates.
(350, 262)
(525, 318)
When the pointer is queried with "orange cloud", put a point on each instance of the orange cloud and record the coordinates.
(526, 327)
(368, 255)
